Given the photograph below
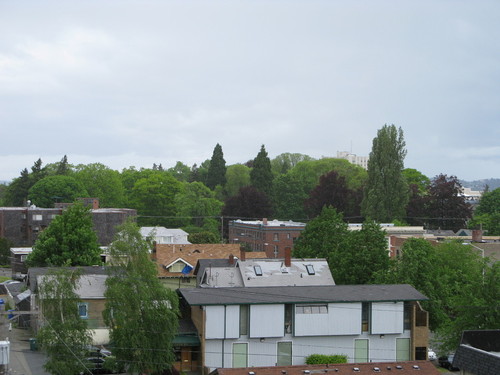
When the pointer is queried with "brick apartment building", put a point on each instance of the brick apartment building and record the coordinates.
(21, 225)
(272, 237)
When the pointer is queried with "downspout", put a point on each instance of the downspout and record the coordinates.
(223, 339)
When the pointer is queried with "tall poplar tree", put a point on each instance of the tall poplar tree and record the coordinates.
(217, 170)
(386, 194)
(261, 175)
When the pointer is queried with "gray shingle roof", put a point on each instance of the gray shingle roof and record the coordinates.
(301, 294)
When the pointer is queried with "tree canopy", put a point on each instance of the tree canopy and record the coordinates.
(386, 192)
(261, 176)
(142, 314)
(101, 182)
(217, 169)
(58, 188)
(69, 240)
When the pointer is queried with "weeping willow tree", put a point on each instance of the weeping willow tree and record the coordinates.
(64, 335)
(141, 313)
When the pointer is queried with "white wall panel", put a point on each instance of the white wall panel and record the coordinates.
(345, 318)
(267, 320)
(232, 322)
(214, 322)
(387, 318)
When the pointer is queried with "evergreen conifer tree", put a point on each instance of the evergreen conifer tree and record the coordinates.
(261, 175)
(217, 170)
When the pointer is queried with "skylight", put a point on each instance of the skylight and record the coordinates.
(258, 270)
(310, 269)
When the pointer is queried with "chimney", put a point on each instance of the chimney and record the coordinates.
(288, 256)
(231, 259)
(477, 235)
(264, 221)
(242, 254)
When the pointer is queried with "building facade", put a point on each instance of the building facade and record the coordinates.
(272, 237)
(268, 326)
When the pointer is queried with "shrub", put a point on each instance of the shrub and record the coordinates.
(323, 359)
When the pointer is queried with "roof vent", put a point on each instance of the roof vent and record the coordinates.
(398, 367)
(376, 369)
(307, 372)
(355, 369)
(416, 367)
(283, 371)
(251, 373)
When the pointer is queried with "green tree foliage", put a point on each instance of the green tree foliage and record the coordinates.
(333, 191)
(282, 163)
(354, 257)
(180, 171)
(288, 198)
(103, 183)
(447, 208)
(261, 176)
(196, 204)
(203, 237)
(69, 240)
(217, 169)
(487, 213)
(386, 193)
(248, 203)
(415, 177)
(5, 245)
(58, 188)
(142, 314)
(154, 198)
(64, 336)
(323, 359)
(16, 193)
(237, 176)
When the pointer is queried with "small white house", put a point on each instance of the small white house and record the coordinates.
(162, 235)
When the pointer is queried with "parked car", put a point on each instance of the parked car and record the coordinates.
(431, 355)
(446, 361)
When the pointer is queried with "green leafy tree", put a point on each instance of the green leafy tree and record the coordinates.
(64, 336)
(288, 198)
(248, 203)
(415, 177)
(69, 240)
(180, 171)
(354, 257)
(5, 245)
(261, 176)
(489, 202)
(487, 213)
(203, 237)
(447, 208)
(154, 199)
(282, 163)
(217, 169)
(142, 314)
(196, 204)
(16, 193)
(58, 188)
(101, 182)
(237, 176)
(386, 193)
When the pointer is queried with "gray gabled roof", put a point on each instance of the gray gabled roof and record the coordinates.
(301, 294)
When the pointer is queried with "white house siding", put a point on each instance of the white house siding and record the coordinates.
(341, 319)
(267, 320)
(264, 353)
(387, 318)
(222, 322)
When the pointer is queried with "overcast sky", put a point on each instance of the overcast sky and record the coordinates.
(132, 83)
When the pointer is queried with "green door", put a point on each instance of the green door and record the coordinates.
(240, 355)
(402, 349)
(285, 354)
(361, 350)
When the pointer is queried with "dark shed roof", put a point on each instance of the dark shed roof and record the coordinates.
(301, 294)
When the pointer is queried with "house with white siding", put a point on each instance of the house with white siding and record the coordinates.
(282, 325)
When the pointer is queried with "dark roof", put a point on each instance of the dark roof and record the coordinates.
(36, 271)
(301, 294)
(204, 263)
(478, 352)
(400, 368)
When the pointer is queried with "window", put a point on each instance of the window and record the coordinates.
(240, 355)
(177, 267)
(365, 316)
(37, 217)
(23, 257)
(288, 236)
(407, 316)
(284, 354)
(288, 318)
(310, 269)
(83, 310)
(360, 350)
(402, 350)
(312, 309)
(258, 270)
(276, 237)
(243, 320)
